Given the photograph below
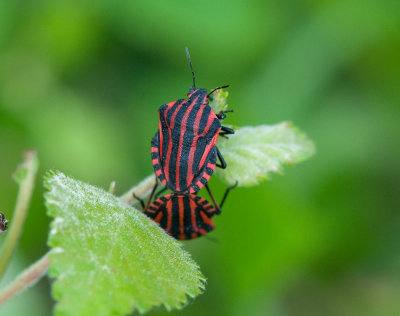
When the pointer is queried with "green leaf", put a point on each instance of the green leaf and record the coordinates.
(218, 103)
(110, 258)
(252, 153)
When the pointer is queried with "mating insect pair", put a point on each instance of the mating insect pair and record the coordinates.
(184, 155)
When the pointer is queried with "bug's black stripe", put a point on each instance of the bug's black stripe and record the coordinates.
(209, 170)
(151, 209)
(204, 119)
(163, 209)
(212, 158)
(172, 159)
(187, 220)
(201, 145)
(157, 167)
(152, 214)
(201, 93)
(200, 222)
(163, 199)
(165, 140)
(171, 110)
(175, 227)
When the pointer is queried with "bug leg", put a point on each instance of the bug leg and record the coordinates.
(217, 207)
(226, 193)
(151, 196)
(226, 131)
(145, 207)
(139, 199)
(213, 90)
(221, 159)
(159, 193)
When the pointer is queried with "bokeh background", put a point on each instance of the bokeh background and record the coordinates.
(81, 83)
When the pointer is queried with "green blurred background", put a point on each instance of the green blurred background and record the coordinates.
(81, 83)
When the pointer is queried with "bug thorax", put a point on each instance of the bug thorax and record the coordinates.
(197, 93)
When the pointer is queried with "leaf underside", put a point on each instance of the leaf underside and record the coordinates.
(109, 258)
(253, 153)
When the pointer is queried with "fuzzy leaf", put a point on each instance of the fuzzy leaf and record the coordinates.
(110, 258)
(252, 153)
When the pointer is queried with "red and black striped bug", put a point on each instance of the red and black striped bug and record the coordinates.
(183, 150)
(183, 215)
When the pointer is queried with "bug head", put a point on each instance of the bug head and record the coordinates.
(222, 115)
(192, 88)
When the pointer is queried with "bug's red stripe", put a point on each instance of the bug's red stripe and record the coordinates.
(192, 190)
(168, 208)
(189, 176)
(182, 133)
(199, 184)
(207, 150)
(210, 120)
(206, 176)
(155, 161)
(202, 231)
(172, 123)
(181, 217)
(158, 172)
(160, 139)
(193, 207)
(211, 165)
(157, 219)
(206, 219)
(154, 149)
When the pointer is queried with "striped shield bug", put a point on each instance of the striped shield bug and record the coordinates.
(3, 223)
(184, 152)
(183, 215)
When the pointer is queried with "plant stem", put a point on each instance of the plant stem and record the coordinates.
(25, 175)
(26, 279)
(141, 190)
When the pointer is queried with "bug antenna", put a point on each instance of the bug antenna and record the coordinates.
(191, 68)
